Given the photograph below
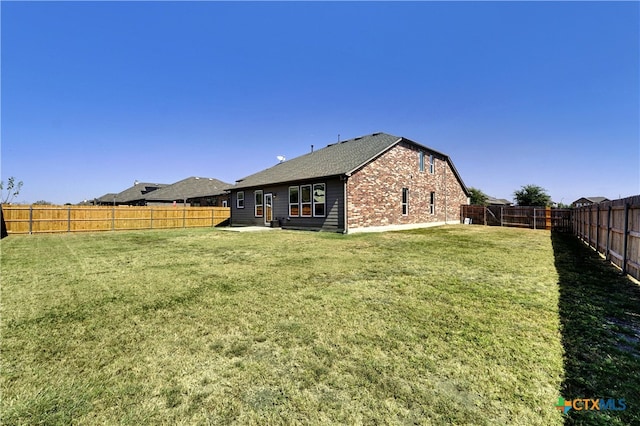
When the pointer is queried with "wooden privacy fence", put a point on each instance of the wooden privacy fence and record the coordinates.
(47, 219)
(613, 229)
(518, 216)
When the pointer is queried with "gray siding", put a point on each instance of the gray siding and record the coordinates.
(333, 220)
(244, 216)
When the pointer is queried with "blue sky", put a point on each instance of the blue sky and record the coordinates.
(96, 95)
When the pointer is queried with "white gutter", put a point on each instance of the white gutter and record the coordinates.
(345, 207)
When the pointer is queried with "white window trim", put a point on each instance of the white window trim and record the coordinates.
(294, 204)
(256, 205)
(432, 164)
(310, 201)
(239, 199)
(313, 200)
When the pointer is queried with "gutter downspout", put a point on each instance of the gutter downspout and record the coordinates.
(345, 202)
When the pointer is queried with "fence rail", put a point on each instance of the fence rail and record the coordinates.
(613, 229)
(51, 219)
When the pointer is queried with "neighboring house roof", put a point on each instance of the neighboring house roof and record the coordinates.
(594, 200)
(106, 198)
(498, 201)
(191, 187)
(341, 158)
(138, 191)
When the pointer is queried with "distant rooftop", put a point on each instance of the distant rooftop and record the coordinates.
(191, 187)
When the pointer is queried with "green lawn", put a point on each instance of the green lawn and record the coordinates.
(444, 325)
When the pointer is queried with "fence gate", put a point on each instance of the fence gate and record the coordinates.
(493, 215)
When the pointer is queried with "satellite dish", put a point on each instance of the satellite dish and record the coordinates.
(281, 158)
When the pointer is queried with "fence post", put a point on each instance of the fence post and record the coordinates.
(547, 218)
(572, 221)
(598, 228)
(30, 219)
(534, 218)
(581, 219)
(579, 223)
(184, 217)
(113, 218)
(606, 249)
(501, 215)
(626, 238)
(151, 215)
(68, 219)
(589, 228)
(484, 212)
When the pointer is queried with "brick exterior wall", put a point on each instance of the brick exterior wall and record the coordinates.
(374, 192)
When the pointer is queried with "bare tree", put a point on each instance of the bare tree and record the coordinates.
(13, 189)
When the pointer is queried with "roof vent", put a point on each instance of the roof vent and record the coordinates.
(197, 178)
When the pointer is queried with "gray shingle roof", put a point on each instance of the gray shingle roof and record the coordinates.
(137, 191)
(342, 158)
(596, 200)
(336, 159)
(498, 201)
(191, 187)
(106, 198)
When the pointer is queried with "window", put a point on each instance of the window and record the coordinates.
(294, 200)
(421, 160)
(405, 201)
(431, 164)
(305, 200)
(432, 203)
(258, 203)
(240, 200)
(318, 199)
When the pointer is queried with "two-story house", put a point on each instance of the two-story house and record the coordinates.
(371, 182)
